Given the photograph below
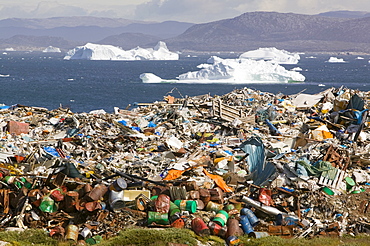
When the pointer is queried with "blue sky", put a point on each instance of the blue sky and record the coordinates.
(195, 11)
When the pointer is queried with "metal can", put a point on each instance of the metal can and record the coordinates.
(97, 192)
(188, 205)
(217, 230)
(199, 227)
(116, 201)
(233, 228)
(162, 204)
(246, 225)
(212, 206)
(70, 201)
(232, 240)
(157, 218)
(221, 217)
(72, 232)
(118, 185)
(253, 220)
(259, 234)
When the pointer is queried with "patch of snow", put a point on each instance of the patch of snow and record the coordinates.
(109, 52)
(272, 54)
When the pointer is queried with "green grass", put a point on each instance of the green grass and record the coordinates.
(326, 241)
(28, 237)
(158, 237)
(152, 237)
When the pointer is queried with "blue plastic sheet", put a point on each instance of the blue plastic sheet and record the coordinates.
(123, 122)
(51, 150)
(4, 107)
(260, 170)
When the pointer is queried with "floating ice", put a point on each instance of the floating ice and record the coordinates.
(271, 54)
(336, 60)
(52, 49)
(109, 52)
(4, 75)
(359, 58)
(296, 69)
(233, 71)
(152, 78)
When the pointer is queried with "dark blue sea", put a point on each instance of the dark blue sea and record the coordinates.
(46, 80)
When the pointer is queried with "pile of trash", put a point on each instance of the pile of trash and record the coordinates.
(247, 162)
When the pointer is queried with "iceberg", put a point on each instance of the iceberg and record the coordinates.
(52, 49)
(233, 71)
(335, 60)
(92, 51)
(273, 55)
(152, 78)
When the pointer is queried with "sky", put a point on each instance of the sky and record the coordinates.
(194, 11)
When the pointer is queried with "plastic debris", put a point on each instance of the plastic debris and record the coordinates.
(247, 162)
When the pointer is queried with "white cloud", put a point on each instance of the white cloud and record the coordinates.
(188, 10)
(196, 11)
(51, 9)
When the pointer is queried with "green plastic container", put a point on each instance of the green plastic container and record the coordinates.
(221, 217)
(158, 218)
(188, 205)
(229, 207)
(349, 182)
(47, 205)
(327, 191)
(174, 209)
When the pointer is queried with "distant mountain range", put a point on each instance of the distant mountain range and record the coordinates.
(346, 14)
(339, 31)
(293, 32)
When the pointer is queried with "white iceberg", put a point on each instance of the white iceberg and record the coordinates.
(52, 49)
(333, 59)
(233, 71)
(109, 52)
(273, 55)
(359, 58)
(296, 69)
(152, 78)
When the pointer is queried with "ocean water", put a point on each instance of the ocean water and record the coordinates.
(46, 80)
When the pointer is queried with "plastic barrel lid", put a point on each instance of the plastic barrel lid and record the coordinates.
(350, 181)
(121, 183)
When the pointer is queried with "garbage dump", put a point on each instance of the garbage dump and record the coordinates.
(244, 163)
